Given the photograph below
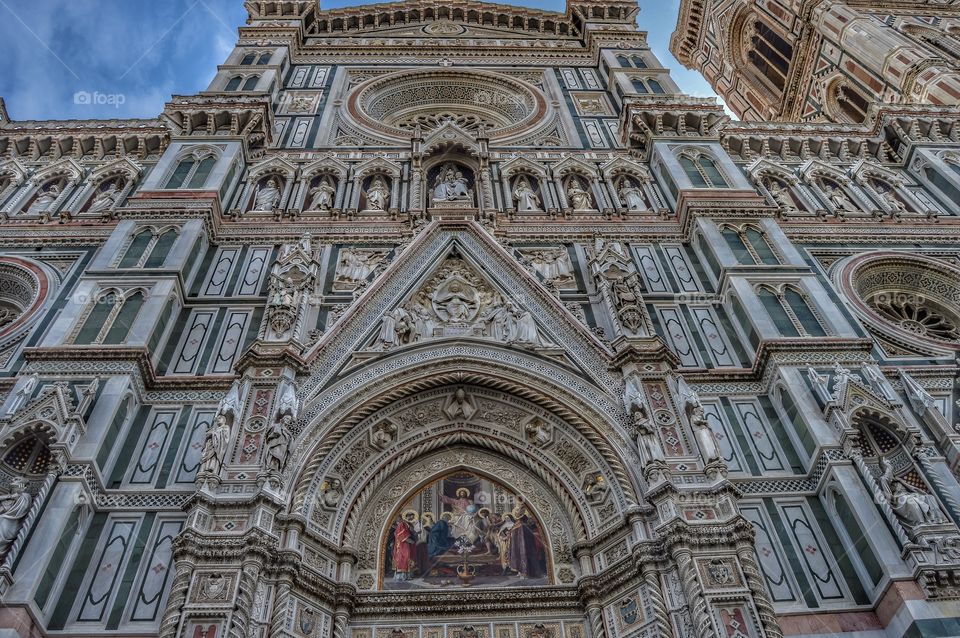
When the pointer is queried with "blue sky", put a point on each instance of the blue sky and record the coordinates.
(87, 59)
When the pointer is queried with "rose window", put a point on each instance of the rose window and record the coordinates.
(20, 288)
(911, 300)
(915, 316)
(395, 104)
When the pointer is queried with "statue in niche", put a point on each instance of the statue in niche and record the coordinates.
(912, 505)
(578, 198)
(839, 199)
(277, 439)
(451, 186)
(268, 195)
(321, 196)
(44, 200)
(781, 195)
(105, 199)
(14, 507)
(217, 437)
(625, 291)
(525, 197)
(378, 195)
(215, 446)
(631, 196)
(889, 195)
(552, 265)
(690, 404)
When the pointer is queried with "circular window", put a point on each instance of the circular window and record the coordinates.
(913, 300)
(23, 287)
(397, 103)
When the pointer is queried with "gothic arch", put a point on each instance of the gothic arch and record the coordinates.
(356, 399)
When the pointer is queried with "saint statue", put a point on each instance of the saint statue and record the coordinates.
(277, 444)
(839, 200)
(321, 196)
(355, 266)
(911, 504)
(578, 198)
(525, 197)
(44, 200)
(215, 446)
(14, 507)
(268, 196)
(451, 185)
(378, 195)
(397, 328)
(631, 196)
(105, 199)
(782, 197)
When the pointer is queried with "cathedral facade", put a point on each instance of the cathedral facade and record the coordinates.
(460, 320)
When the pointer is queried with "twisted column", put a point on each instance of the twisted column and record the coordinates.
(279, 618)
(768, 617)
(249, 575)
(597, 629)
(691, 590)
(655, 591)
(178, 596)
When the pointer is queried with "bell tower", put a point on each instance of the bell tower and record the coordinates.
(820, 61)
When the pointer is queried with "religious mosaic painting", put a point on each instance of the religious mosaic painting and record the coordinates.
(464, 530)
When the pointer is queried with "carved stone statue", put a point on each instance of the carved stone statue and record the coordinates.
(782, 197)
(277, 438)
(538, 432)
(397, 328)
(14, 507)
(625, 292)
(105, 199)
(578, 198)
(459, 406)
(357, 265)
(378, 195)
(331, 492)
(321, 196)
(276, 444)
(839, 199)
(634, 399)
(215, 446)
(268, 196)
(44, 200)
(913, 506)
(631, 196)
(690, 404)
(552, 265)
(451, 186)
(891, 200)
(525, 197)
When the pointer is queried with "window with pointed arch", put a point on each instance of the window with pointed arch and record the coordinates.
(192, 171)
(769, 53)
(148, 248)
(702, 170)
(110, 317)
(749, 245)
(847, 103)
(256, 58)
(791, 311)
